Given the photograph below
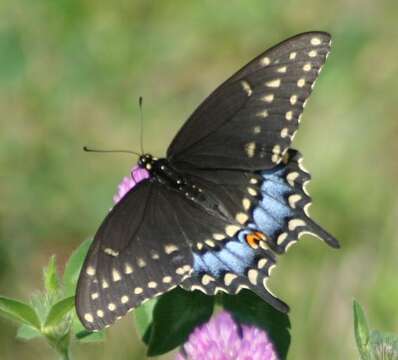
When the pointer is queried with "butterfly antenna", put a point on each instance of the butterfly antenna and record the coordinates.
(141, 126)
(87, 149)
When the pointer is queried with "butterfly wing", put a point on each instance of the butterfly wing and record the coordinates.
(250, 120)
(137, 253)
(275, 205)
(144, 248)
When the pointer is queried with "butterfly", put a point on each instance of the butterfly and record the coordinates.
(226, 200)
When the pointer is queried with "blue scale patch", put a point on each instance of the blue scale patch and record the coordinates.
(235, 257)
(269, 217)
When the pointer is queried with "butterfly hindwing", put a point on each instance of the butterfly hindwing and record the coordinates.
(278, 216)
(283, 211)
(233, 267)
(249, 121)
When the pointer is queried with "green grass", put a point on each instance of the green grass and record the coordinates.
(70, 75)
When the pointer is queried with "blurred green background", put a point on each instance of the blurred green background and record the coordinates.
(70, 75)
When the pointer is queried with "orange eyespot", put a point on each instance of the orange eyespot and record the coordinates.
(254, 238)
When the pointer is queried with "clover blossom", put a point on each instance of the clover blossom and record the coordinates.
(137, 174)
(224, 339)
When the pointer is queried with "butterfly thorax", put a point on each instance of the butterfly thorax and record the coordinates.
(161, 170)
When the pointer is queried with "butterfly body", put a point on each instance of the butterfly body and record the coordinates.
(227, 199)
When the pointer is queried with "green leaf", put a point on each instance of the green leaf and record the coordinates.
(175, 316)
(247, 308)
(58, 311)
(361, 331)
(143, 317)
(19, 311)
(26, 332)
(85, 336)
(73, 267)
(51, 278)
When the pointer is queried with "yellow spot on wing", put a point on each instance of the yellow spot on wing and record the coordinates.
(263, 114)
(301, 82)
(88, 317)
(312, 53)
(268, 98)
(241, 218)
(247, 88)
(90, 271)
(167, 279)
(284, 132)
(250, 149)
(228, 278)
(206, 279)
(111, 252)
(231, 230)
(291, 177)
(141, 262)
(273, 83)
(316, 41)
(293, 200)
(293, 224)
(168, 249)
(116, 275)
(246, 203)
(265, 61)
(251, 191)
(252, 276)
(138, 290)
(128, 269)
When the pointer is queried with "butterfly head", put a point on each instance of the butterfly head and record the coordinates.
(146, 161)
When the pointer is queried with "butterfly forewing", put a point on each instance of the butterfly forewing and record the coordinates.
(144, 246)
(249, 121)
(128, 264)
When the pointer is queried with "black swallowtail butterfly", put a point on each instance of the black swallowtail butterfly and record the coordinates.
(229, 196)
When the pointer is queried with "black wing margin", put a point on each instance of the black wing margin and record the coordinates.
(249, 121)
